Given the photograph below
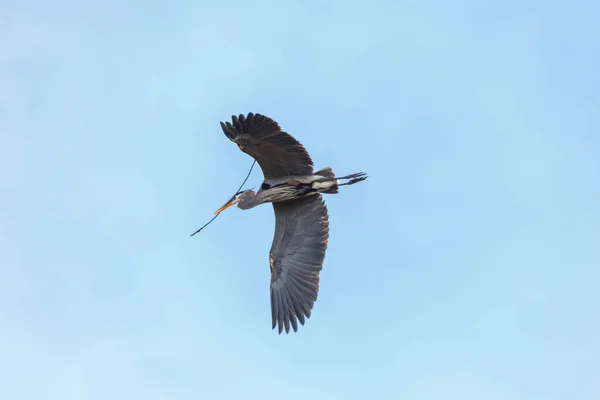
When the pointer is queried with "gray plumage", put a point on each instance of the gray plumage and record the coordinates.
(301, 219)
(277, 152)
(296, 259)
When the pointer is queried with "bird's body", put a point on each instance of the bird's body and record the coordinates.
(291, 188)
(301, 220)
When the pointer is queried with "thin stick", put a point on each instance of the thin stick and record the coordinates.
(203, 226)
(247, 176)
(240, 188)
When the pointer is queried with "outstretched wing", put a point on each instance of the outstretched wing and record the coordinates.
(296, 259)
(277, 152)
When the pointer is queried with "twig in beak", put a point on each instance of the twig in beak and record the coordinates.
(221, 209)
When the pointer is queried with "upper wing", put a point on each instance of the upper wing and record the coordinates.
(277, 152)
(296, 258)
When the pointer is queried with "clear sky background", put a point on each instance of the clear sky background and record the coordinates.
(466, 267)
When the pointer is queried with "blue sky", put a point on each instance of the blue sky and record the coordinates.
(466, 267)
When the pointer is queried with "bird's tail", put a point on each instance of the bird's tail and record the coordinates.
(328, 173)
(330, 176)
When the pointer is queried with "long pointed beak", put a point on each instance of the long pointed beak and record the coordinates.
(225, 206)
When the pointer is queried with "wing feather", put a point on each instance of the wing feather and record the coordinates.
(296, 259)
(277, 152)
(273, 309)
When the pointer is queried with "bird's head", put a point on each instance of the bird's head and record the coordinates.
(234, 200)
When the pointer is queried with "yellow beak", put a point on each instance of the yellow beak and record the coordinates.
(226, 206)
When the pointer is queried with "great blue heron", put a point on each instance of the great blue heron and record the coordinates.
(301, 220)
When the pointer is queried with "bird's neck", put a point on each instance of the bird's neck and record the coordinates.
(250, 200)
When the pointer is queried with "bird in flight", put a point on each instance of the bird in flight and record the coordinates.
(301, 220)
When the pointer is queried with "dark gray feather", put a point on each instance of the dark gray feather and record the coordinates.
(277, 152)
(296, 258)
